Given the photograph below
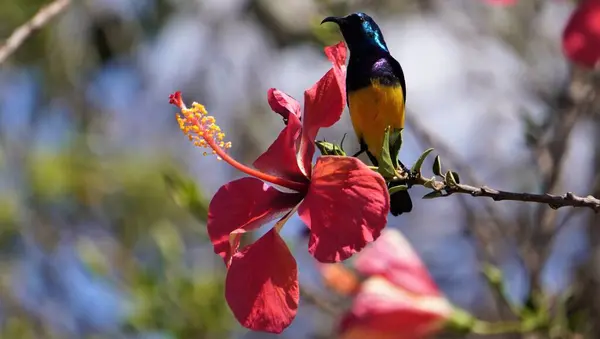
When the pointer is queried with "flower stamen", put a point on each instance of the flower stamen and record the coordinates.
(198, 126)
(202, 130)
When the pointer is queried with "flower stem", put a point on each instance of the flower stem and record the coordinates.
(487, 328)
(293, 185)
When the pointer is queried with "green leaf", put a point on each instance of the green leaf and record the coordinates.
(460, 321)
(416, 168)
(437, 166)
(386, 166)
(493, 274)
(395, 140)
(168, 241)
(328, 148)
(433, 195)
(449, 178)
(456, 177)
(398, 189)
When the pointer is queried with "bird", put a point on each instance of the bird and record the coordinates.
(375, 90)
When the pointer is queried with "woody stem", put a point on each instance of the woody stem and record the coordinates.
(487, 328)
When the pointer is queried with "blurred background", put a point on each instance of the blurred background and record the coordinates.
(103, 200)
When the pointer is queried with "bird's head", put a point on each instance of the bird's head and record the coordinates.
(360, 31)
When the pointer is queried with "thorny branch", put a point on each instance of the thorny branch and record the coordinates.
(41, 18)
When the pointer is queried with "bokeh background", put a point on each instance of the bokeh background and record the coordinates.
(103, 201)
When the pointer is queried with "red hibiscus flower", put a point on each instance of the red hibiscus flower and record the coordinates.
(341, 201)
(581, 37)
(398, 299)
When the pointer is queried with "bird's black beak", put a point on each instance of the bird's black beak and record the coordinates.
(334, 19)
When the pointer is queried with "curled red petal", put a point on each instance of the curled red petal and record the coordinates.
(346, 208)
(337, 54)
(392, 257)
(283, 104)
(324, 102)
(262, 285)
(581, 37)
(243, 205)
(385, 311)
(281, 157)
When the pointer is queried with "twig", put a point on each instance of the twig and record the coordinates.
(19, 35)
(552, 200)
(319, 302)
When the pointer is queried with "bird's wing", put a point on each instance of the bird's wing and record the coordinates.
(397, 69)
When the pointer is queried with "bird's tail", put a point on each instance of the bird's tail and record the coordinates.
(400, 201)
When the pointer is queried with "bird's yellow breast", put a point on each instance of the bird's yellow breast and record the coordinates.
(374, 108)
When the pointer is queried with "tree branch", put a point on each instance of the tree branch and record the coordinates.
(554, 201)
(41, 18)
(319, 302)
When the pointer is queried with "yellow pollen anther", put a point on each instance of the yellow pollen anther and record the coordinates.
(201, 128)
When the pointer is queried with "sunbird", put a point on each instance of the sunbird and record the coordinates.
(376, 91)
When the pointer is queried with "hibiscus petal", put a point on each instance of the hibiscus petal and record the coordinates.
(283, 104)
(324, 102)
(243, 205)
(337, 54)
(392, 257)
(262, 285)
(382, 308)
(281, 157)
(346, 207)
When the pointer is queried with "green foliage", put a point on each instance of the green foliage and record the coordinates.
(395, 142)
(144, 201)
(387, 169)
(328, 148)
(416, 168)
(187, 195)
(437, 166)
(183, 301)
(449, 179)
(433, 195)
